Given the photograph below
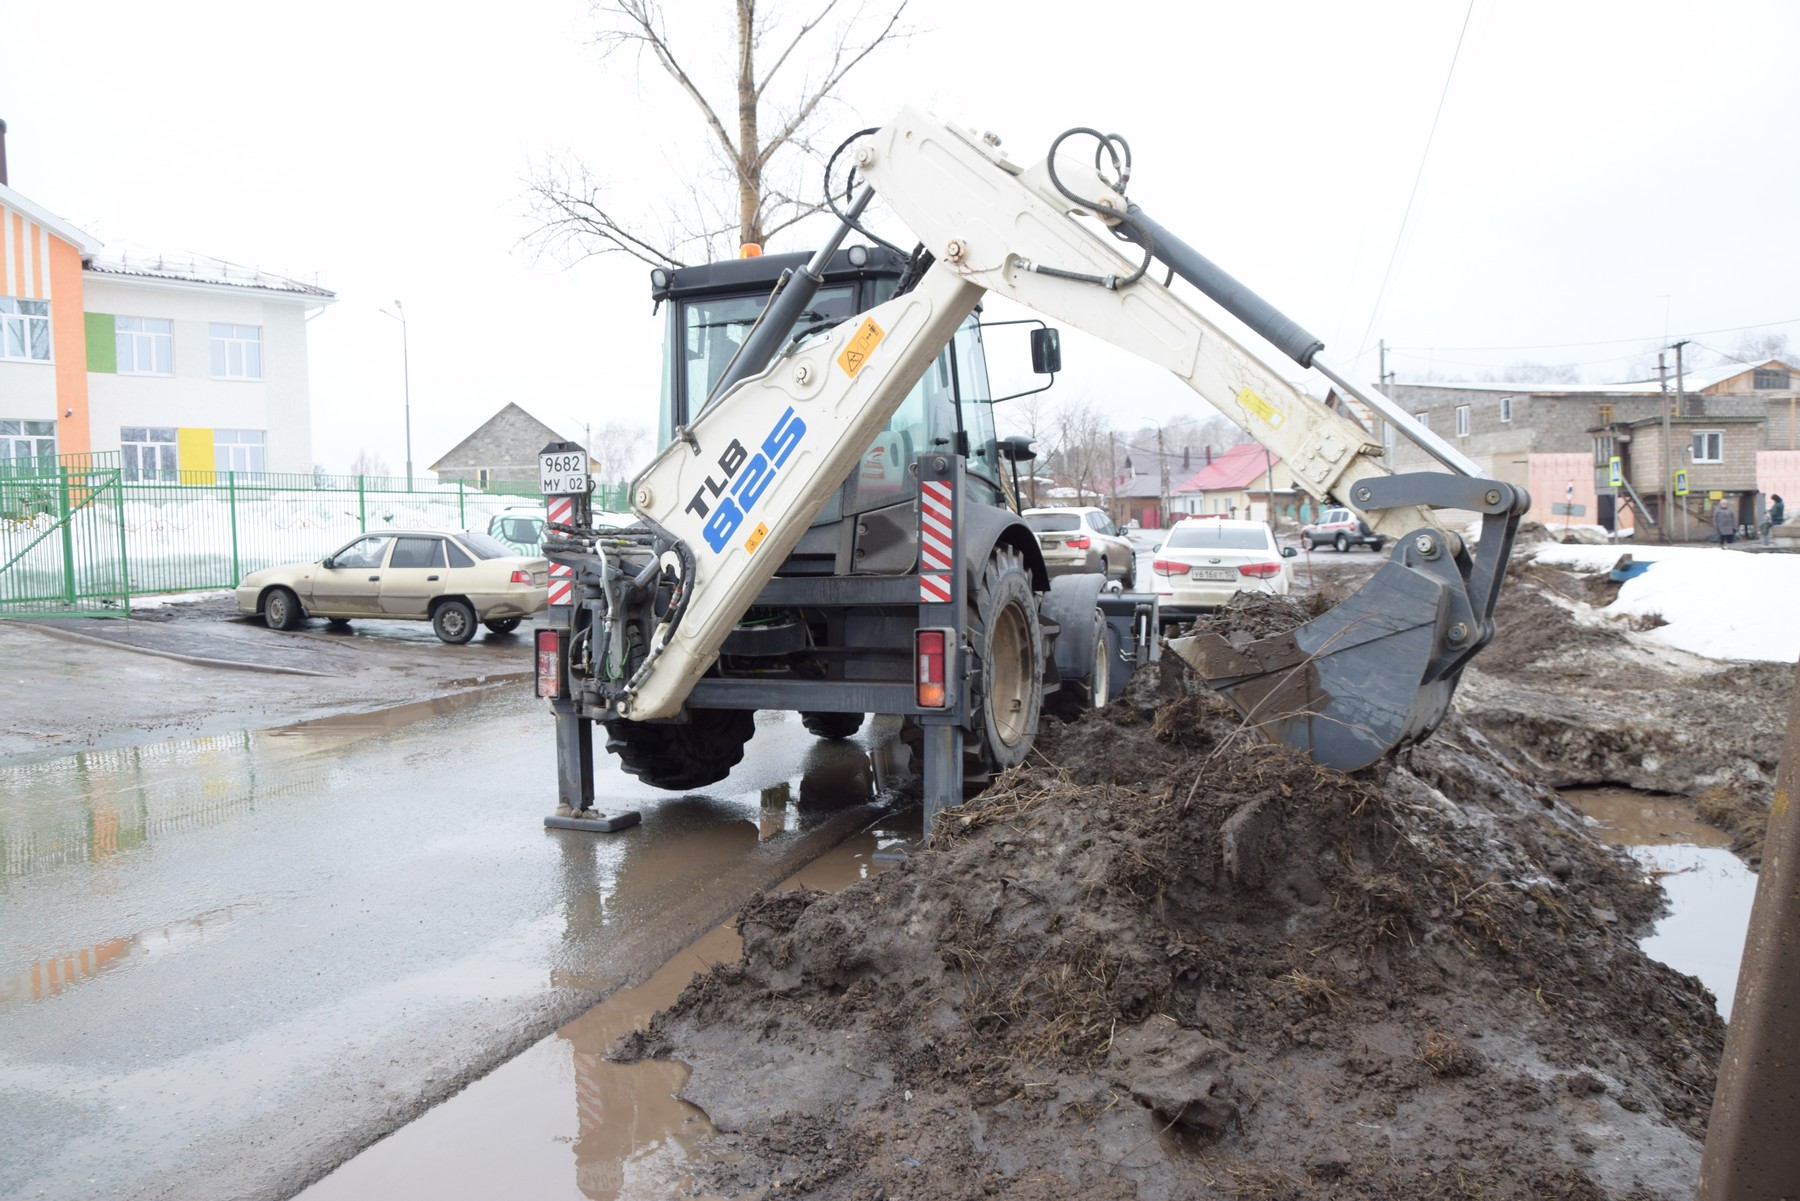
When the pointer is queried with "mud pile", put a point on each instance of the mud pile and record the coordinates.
(1167, 960)
(1577, 699)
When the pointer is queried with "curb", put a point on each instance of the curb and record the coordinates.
(199, 660)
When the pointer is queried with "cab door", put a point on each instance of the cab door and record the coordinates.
(348, 584)
(415, 575)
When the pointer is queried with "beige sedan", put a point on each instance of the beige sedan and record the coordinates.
(454, 581)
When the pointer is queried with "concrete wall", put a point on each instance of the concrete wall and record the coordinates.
(279, 403)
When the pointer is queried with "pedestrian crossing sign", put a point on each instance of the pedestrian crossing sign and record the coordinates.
(1681, 484)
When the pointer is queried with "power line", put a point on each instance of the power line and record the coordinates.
(1417, 176)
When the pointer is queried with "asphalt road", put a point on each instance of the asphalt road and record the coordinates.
(230, 960)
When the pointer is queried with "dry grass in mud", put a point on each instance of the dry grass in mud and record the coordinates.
(1166, 960)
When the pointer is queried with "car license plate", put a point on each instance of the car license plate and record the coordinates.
(1215, 573)
(563, 474)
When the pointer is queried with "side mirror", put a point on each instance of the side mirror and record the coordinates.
(1046, 351)
(328, 561)
(1288, 552)
(1016, 448)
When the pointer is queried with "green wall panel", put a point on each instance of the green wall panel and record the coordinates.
(102, 345)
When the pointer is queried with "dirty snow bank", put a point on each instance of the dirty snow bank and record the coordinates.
(1721, 604)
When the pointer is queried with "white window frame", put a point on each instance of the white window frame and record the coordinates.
(1505, 409)
(25, 330)
(1462, 421)
(241, 451)
(26, 438)
(161, 462)
(1697, 441)
(143, 345)
(235, 351)
(1423, 417)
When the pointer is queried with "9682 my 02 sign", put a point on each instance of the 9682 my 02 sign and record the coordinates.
(563, 473)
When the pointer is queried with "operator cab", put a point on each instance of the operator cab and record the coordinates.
(711, 310)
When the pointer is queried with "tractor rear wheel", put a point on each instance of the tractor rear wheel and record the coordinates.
(681, 756)
(1009, 687)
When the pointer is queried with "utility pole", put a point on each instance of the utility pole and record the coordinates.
(1668, 508)
(1162, 500)
(1112, 476)
(1383, 371)
(1681, 402)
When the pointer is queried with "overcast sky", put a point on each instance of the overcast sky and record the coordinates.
(1603, 177)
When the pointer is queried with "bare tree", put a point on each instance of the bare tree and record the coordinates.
(368, 462)
(1755, 346)
(1533, 373)
(617, 451)
(1030, 415)
(1083, 445)
(759, 125)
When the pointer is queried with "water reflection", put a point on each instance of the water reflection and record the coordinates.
(1709, 889)
(54, 975)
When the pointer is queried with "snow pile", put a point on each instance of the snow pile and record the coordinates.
(1723, 604)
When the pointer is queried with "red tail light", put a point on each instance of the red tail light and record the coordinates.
(1079, 543)
(1260, 571)
(931, 667)
(521, 577)
(1170, 567)
(549, 663)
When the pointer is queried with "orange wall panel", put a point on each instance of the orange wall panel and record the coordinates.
(69, 334)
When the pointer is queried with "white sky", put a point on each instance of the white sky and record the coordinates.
(1610, 174)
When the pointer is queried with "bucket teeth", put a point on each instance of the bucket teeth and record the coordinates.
(1348, 686)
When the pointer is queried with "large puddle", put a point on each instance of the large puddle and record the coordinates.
(1709, 888)
(559, 1121)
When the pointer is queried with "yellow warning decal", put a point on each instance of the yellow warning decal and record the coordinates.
(862, 344)
(756, 536)
(1271, 416)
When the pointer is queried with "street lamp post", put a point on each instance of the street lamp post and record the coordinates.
(406, 385)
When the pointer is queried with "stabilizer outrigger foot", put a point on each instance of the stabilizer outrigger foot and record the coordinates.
(1378, 671)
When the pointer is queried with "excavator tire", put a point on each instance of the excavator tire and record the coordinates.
(1009, 689)
(831, 725)
(686, 755)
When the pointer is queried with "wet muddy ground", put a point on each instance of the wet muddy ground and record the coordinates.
(1166, 961)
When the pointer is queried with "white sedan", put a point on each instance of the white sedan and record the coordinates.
(454, 581)
(1205, 561)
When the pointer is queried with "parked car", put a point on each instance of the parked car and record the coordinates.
(1343, 529)
(454, 581)
(1080, 539)
(1205, 561)
(520, 528)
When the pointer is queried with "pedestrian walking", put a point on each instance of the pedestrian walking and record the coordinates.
(1774, 515)
(1725, 524)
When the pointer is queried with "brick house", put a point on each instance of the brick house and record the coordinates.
(1559, 440)
(502, 450)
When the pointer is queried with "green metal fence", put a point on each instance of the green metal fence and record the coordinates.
(79, 537)
(61, 549)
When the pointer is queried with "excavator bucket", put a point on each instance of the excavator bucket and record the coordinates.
(1378, 671)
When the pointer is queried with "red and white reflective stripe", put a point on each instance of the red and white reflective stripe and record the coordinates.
(937, 548)
(934, 588)
(561, 510)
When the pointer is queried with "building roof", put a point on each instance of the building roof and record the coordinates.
(510, 414)
(1231, 470)
(1691, 381)
(18, 203)
(198, 269)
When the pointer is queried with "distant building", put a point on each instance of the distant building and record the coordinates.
(502, 450)
(185, 367)
(1559, 440)
(1241, 481)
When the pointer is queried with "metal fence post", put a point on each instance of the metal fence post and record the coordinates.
(1751, 1153)
(237, 576)
(362, 508)
(68, 536)
(462, 518)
